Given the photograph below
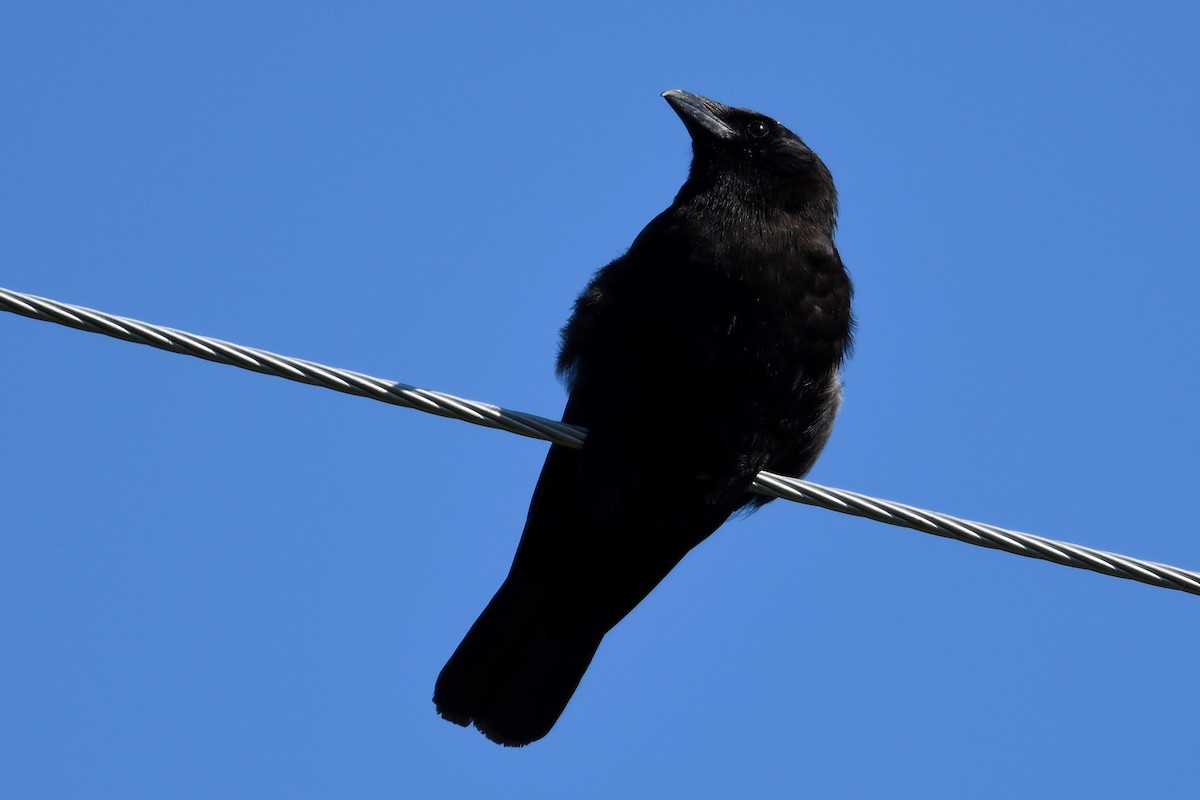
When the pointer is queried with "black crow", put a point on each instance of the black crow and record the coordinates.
(706, 353)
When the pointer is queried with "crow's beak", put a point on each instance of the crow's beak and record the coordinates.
(701, 115)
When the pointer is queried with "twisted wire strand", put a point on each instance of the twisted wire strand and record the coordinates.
(533, 426)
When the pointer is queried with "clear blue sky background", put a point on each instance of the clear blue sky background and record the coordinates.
(217, 584)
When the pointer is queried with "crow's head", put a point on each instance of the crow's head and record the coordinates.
(739, 151)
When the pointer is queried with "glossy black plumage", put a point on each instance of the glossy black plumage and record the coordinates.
(708, 352)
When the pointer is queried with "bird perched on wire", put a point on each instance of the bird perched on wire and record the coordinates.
(708, 352)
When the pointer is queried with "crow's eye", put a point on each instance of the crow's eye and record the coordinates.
(757, 129)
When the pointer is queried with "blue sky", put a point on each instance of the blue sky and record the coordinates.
(214, 583)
